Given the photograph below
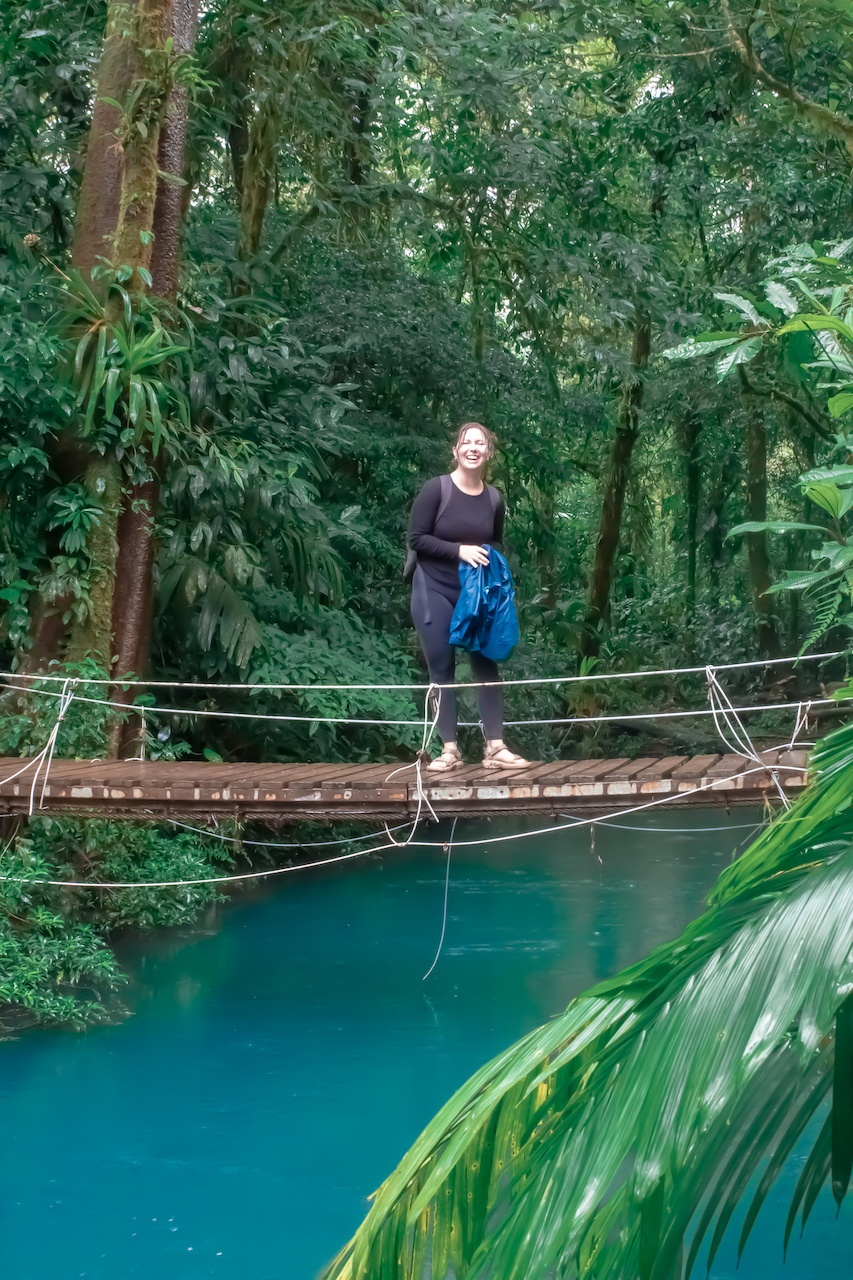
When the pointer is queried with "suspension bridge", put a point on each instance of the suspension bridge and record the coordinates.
(277, 793)
(738, 773)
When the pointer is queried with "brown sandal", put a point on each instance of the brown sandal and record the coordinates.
(502, 758)
(449, 760)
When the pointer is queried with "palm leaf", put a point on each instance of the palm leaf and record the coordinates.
(613, 1140)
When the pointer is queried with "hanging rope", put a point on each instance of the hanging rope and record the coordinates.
(276, 717)
(448, 848)
(429, 727)
(363, 853)
(725, 714)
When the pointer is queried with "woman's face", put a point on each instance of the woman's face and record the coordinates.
(472, 451)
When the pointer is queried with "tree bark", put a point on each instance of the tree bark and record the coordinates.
(758, 557)
(134, 582)
(690, 433)
(619, 470)
(257, 175)
(119, 185)
(727, 475)
(93, 637)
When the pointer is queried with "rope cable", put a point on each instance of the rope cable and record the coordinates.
(363, 853)
(414, 687)
(217, 713)
(448, 847)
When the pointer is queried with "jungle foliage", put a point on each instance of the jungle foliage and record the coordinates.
(256, 262)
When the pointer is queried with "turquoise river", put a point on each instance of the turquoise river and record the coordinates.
(280, 1059)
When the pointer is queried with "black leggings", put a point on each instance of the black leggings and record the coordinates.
(431, 614)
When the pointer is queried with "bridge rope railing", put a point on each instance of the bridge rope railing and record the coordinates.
(722, 710)
(139, 682)
(268, 872)
(317, 717)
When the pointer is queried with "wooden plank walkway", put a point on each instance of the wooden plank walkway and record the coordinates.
(284, 792)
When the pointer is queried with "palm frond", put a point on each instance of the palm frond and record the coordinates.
(613, 1140)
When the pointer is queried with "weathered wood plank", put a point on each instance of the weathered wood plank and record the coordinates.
(287, 792)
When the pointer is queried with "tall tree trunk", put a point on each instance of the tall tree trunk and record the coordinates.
(119, 185)
(727, 474)
(618, 474)
(691, 430)
(258, 167)
(117, 201)
(758, 557)
(134, 584)
(93, 636)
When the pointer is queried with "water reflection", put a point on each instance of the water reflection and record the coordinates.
(279, 1061)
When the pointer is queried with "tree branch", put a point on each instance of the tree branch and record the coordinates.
(831, 122)
(773, 393)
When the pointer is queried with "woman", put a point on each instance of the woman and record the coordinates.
(444, 531)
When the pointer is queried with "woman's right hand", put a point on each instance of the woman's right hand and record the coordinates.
(474, 556)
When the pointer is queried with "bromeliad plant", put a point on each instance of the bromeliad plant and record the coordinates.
(124, 365)
(620, 1138)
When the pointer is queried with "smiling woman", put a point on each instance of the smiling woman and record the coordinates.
(454, 520)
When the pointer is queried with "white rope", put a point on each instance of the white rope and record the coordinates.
(275, 844)
(666, 715)
(800, 724)
(448, 847)
(724, 712)
(473, 684)
(217, 713)
(625, 826)
(423, 754)
(416, 844)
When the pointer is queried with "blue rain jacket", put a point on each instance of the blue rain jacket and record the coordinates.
(484, 620)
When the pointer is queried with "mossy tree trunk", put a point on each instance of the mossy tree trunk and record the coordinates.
(127, 216)
(134, 580)
(616, 484)
(689, 436)
(758, 555)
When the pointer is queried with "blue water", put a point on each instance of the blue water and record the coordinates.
(280, 1060)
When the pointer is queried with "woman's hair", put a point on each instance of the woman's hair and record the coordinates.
(491, 440)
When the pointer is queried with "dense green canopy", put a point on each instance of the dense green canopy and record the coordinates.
(258, 260)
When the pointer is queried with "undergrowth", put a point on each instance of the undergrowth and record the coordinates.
(56, 962)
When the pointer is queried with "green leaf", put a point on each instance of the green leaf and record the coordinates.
(818, 324)
(136, 401)
(841, 476)
(780, 296)
(826, 496)
(773, 526)
(800, 580)
(213, 756)
(741, 354)
(80, 354)
(693, 347)
(840, 404)
(741, 304)
(112, 390)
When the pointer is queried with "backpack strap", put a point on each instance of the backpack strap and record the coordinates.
(446, 495)
(494, 498)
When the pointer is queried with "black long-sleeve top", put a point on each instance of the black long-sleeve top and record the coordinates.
(466, 520)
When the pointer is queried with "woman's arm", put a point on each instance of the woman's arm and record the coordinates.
(422, 521)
